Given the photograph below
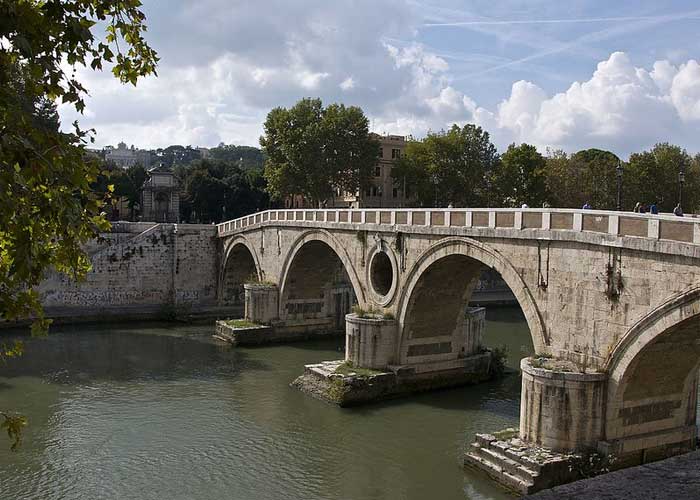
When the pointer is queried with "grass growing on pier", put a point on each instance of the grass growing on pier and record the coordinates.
(241, 323)
(347, 369)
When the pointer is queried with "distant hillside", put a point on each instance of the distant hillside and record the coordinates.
(247, 157)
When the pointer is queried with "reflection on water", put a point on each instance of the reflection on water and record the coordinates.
(153, 412)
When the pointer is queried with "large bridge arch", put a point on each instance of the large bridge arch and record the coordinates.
(652, 378)
(240, 264)
(461, 259)
(318, 258)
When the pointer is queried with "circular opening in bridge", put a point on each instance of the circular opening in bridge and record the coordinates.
(381, 273)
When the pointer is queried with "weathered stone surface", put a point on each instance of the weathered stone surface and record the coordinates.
(142, 270)
(608, 292)
(321, 381)
(673, 478)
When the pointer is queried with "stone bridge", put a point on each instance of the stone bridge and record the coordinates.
(611, 299)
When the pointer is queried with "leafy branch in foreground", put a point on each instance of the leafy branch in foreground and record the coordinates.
(47, 207)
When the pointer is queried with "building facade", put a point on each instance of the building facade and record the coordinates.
(382, 190)
(124, 156)
(160, 196)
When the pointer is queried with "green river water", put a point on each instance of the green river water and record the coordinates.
(156, 411)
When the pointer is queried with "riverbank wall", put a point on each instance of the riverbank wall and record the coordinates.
(141, 271)
(146, 270)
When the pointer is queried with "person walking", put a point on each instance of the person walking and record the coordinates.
(587, 206)
(524, 205)
(678, 211)
(638, 207)
(653, 209)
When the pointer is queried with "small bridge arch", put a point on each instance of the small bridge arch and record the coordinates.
(454, 265)
(240, 264)
(318, 280)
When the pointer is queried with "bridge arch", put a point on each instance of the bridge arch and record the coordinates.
(240, 264)
(459, 260)
(315, 264)
(653, 375)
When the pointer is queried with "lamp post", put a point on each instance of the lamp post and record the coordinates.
(681, 180)
(618, 170)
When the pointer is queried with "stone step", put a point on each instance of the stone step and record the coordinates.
(510, 481)
(506, 464)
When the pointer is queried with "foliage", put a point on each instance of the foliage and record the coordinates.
(521, 177)
(450, 167)
(652, 177)
(591, 463)
(586, 176)
(347, 368)
(506, 434)
(47, 207)
(241, 323)
(14, 425)
(317, 152)
(247, 157)
(499, 356)
(216, 190)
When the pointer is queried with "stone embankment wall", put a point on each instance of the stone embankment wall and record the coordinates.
(141, 270)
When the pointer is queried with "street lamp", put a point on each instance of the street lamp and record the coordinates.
(618, 170)
(681, 180)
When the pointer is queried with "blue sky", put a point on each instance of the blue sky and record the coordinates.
(570, 75)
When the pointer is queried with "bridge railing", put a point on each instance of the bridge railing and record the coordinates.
(667, 227)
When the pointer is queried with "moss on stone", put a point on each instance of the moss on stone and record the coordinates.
(241, 323)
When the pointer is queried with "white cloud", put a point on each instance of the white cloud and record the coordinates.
(620, 107)
(220, 76)
(347, 84)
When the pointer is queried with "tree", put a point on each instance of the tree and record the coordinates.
(216, 190)
(586, 176)
(128, 184)
(450, 167)
(316, 151)
(520, 177)
(653, 177)
(47, 208)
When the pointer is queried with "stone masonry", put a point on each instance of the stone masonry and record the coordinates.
(141, 270)
(612, 299)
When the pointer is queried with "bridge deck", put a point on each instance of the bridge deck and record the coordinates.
(658, 233)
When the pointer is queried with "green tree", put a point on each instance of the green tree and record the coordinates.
(653, 177)
(128, 183)
(450, 167)
(316, 151)
(216, 190)
(520, 177)
(589, 176)
(47, 208)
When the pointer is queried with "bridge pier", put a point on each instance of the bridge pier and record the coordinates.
(561, 409)
(371, 371)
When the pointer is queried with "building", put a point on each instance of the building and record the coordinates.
(124, 157)
(382, 190)
(160, 196)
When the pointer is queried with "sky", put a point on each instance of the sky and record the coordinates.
(568, 75)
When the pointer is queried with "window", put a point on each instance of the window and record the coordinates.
(395, 193)
(377, 171)
(381, 152)
(395, 153)
(368, 192)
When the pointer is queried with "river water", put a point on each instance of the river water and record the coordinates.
(164, 412)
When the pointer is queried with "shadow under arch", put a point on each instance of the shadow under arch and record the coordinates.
(466, 249)
(320, 237)
(240, 263)
(653, 371)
